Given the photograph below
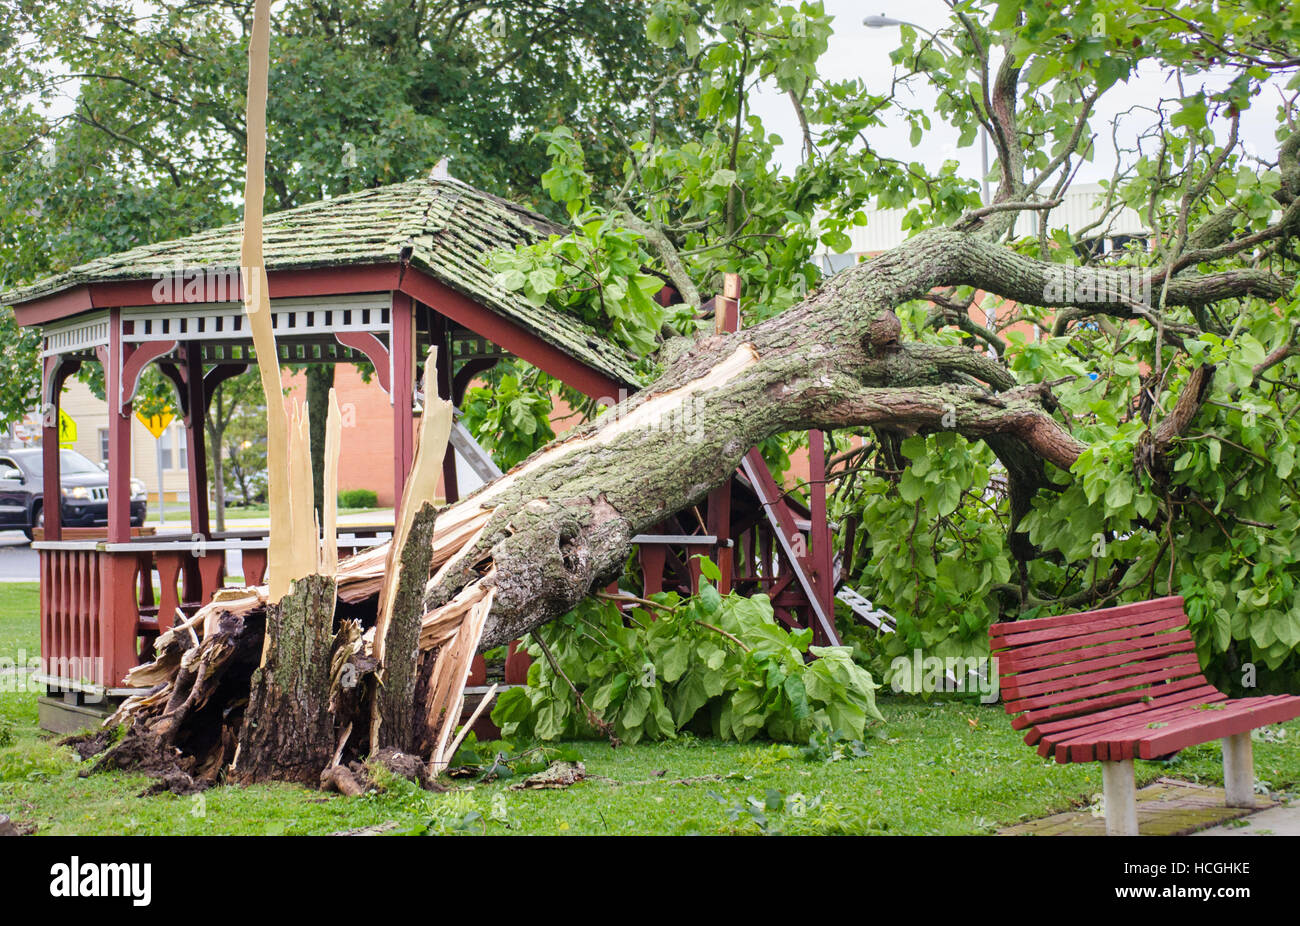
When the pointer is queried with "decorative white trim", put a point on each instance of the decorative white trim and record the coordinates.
(290, 352)
(225, 321)
(73, 337)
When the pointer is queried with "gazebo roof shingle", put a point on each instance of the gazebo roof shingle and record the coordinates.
(440, 225)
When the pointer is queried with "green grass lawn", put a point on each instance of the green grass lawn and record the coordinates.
(932, 768)
(20, 627)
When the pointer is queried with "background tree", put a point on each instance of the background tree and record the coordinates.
(244, 472)
(121, 123)
(238, 398)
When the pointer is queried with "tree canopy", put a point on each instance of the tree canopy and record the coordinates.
(122, 123)
(1169, 365)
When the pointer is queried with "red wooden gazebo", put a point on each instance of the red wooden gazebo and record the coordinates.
(374, 277)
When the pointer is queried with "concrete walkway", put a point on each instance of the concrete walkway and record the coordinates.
(1282, 820)
(18, 561)
(1173, 807)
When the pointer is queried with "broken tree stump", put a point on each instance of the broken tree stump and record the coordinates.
(289, 733)
(393, 719)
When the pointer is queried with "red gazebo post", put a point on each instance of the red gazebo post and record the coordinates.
(117, 573)
(820, 532)
(446, 390)
(119, 435)
(55, 371)
(401, 353)
(196, 457)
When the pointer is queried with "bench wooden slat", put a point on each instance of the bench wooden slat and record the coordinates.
(1074, 673)
(1068, 645)
(1076, 708)
(1076, 631)
(1123, 742)
(1192, 731)
(1079, 743)
(1061, 620)
(1046, 734)
(1064, 690)
(1184, 666)
(1055, 661)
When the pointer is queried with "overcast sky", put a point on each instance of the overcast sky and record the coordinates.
(857, 51)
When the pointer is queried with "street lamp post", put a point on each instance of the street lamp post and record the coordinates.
(884, 22)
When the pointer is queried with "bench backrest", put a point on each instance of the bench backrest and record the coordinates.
(1072, 664)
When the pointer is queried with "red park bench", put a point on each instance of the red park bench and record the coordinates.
(1122, 683)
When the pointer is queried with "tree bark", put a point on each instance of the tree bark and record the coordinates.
(393, 717)
(289, 732)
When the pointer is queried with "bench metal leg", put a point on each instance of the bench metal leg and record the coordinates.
(1238, 770)
(1120, 788)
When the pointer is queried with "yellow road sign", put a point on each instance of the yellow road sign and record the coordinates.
(156, 423)
(67, 429)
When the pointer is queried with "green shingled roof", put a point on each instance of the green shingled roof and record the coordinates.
(445, 226)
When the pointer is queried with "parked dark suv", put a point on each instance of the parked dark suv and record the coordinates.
(84, 492)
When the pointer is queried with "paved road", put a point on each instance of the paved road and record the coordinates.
(18, 561)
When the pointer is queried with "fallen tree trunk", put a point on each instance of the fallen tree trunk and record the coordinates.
(561, 522)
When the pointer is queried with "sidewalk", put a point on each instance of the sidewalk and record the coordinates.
(1283, 820)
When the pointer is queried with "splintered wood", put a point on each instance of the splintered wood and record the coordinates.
(174, 643)
(361, 575)
(257, 306)
(451, 667)
(440, 626)
(457, 529)
(422, 484)
(401, 602)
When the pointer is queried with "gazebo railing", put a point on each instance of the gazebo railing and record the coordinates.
(100, 611)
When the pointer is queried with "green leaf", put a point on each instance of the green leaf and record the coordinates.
(722, 177)
(542, 280)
